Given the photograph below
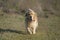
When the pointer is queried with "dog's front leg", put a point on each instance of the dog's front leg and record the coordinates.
(29, 30)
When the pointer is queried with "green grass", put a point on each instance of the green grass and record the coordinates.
(12, 28)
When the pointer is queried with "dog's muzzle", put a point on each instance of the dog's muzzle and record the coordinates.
(29, 18)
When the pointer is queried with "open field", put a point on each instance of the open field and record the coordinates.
(12, 28)
(12, 25)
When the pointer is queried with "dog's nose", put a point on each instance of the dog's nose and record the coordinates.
(31, 18)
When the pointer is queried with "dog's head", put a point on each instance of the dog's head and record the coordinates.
(29, 14)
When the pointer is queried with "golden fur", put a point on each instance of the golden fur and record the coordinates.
(31, 21)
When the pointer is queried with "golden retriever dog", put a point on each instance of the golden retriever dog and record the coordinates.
(31, 21)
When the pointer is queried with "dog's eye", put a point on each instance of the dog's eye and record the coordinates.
(27, 15)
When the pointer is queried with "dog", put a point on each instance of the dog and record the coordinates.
(31, 21)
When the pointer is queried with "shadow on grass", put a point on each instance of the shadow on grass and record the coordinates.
(11, 30)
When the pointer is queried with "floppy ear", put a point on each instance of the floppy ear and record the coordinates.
(34, 18)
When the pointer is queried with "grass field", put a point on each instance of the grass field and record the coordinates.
(12, 28)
